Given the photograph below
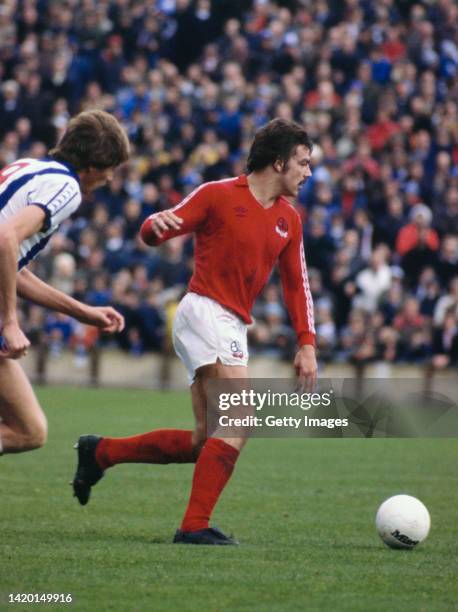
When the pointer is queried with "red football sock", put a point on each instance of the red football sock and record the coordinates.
(213, 469)
(159, 446)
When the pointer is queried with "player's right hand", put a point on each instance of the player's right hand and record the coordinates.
(14, 342)
(155, 225)
(306, 368)
(106, 318)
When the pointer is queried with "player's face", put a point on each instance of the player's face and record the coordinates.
(296, 171)
(93, 178)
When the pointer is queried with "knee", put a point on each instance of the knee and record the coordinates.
(40, 436)
(34, 437)
(199, 437)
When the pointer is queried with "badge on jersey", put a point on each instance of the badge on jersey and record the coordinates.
(282, 227)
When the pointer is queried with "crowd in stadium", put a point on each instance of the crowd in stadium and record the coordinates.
(375, 84)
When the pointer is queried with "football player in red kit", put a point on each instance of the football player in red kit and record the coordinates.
(242, 226)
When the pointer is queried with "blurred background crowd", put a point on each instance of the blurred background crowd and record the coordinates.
(375, 84)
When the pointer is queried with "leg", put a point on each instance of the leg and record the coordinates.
(213, 468)
(23, 424)
(199, 407)
(161, 446)
(158, 446)
(233, 372)
(199, 399)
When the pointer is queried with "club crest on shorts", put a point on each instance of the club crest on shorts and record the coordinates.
(282, 227)
(236, 349)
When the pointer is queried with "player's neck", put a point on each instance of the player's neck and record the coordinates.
(264, 187)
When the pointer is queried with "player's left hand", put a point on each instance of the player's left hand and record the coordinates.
(306, 367)
(106, 318)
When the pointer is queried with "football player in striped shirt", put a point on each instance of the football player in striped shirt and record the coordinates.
(242, 226)
(35, 197)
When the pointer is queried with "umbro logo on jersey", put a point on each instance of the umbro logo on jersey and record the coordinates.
(240, 211)
(282, 227)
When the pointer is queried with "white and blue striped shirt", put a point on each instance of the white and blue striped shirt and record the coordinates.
(51, 185)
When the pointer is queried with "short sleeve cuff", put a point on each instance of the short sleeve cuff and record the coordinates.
(47, 222)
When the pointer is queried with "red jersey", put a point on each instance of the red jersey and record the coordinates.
(237, 242)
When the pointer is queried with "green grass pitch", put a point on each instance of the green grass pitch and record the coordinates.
(302, 509)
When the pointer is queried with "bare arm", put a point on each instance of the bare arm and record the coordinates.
(12, 232)
(32, 288)
(9, 251)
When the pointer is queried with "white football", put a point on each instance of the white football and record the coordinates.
(402, 521)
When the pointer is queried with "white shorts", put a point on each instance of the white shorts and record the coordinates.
(204, 331)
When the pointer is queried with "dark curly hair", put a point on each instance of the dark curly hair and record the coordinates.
(276, 141)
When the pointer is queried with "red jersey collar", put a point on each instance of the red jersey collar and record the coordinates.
(242, 181)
